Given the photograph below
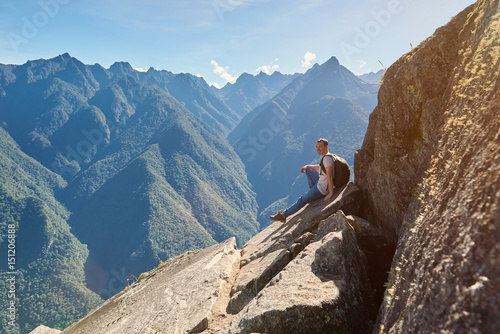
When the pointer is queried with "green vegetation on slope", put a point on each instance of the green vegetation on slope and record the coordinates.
(49, 279)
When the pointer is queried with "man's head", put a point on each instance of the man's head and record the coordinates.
(322, 146)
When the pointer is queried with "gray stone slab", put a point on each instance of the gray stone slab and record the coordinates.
(180, 296)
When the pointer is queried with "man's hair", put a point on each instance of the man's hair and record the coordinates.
(323, 140)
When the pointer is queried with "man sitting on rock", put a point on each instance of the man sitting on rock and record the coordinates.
(320, 178)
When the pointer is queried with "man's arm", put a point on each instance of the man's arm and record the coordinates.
(329, 174)
(315, 167)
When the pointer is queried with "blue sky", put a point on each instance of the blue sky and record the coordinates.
(221, 39)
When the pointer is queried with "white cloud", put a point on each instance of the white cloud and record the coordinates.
(139, 69)
(308, 58)
(268, 69)
(222, 72)
(215, 84)
(362, 63)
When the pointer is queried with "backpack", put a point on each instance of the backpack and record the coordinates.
(342, 170)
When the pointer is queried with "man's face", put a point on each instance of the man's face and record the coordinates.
(321, 148)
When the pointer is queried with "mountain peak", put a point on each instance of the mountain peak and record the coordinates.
(245, 75)
(122, 65)
(243, 78)
(332, 65)
(65, 56)
(332, 62)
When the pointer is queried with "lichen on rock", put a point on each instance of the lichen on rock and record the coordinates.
(429, 169)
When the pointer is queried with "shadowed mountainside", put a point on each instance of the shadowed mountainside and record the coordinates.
(47, 260)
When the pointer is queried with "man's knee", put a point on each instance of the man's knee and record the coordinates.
(311, 171)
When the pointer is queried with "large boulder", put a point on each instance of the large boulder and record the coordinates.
(324, 289)
(278, 236)
(429, 169)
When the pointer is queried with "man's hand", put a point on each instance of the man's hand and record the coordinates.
(303, 169)
(327, 197)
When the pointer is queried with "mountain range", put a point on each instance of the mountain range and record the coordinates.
(106, 172)
(249, 92)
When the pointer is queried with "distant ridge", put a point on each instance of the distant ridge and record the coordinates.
(193, 92)
(249, 91)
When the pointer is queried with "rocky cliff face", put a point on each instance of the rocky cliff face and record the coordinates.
(430, 170)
